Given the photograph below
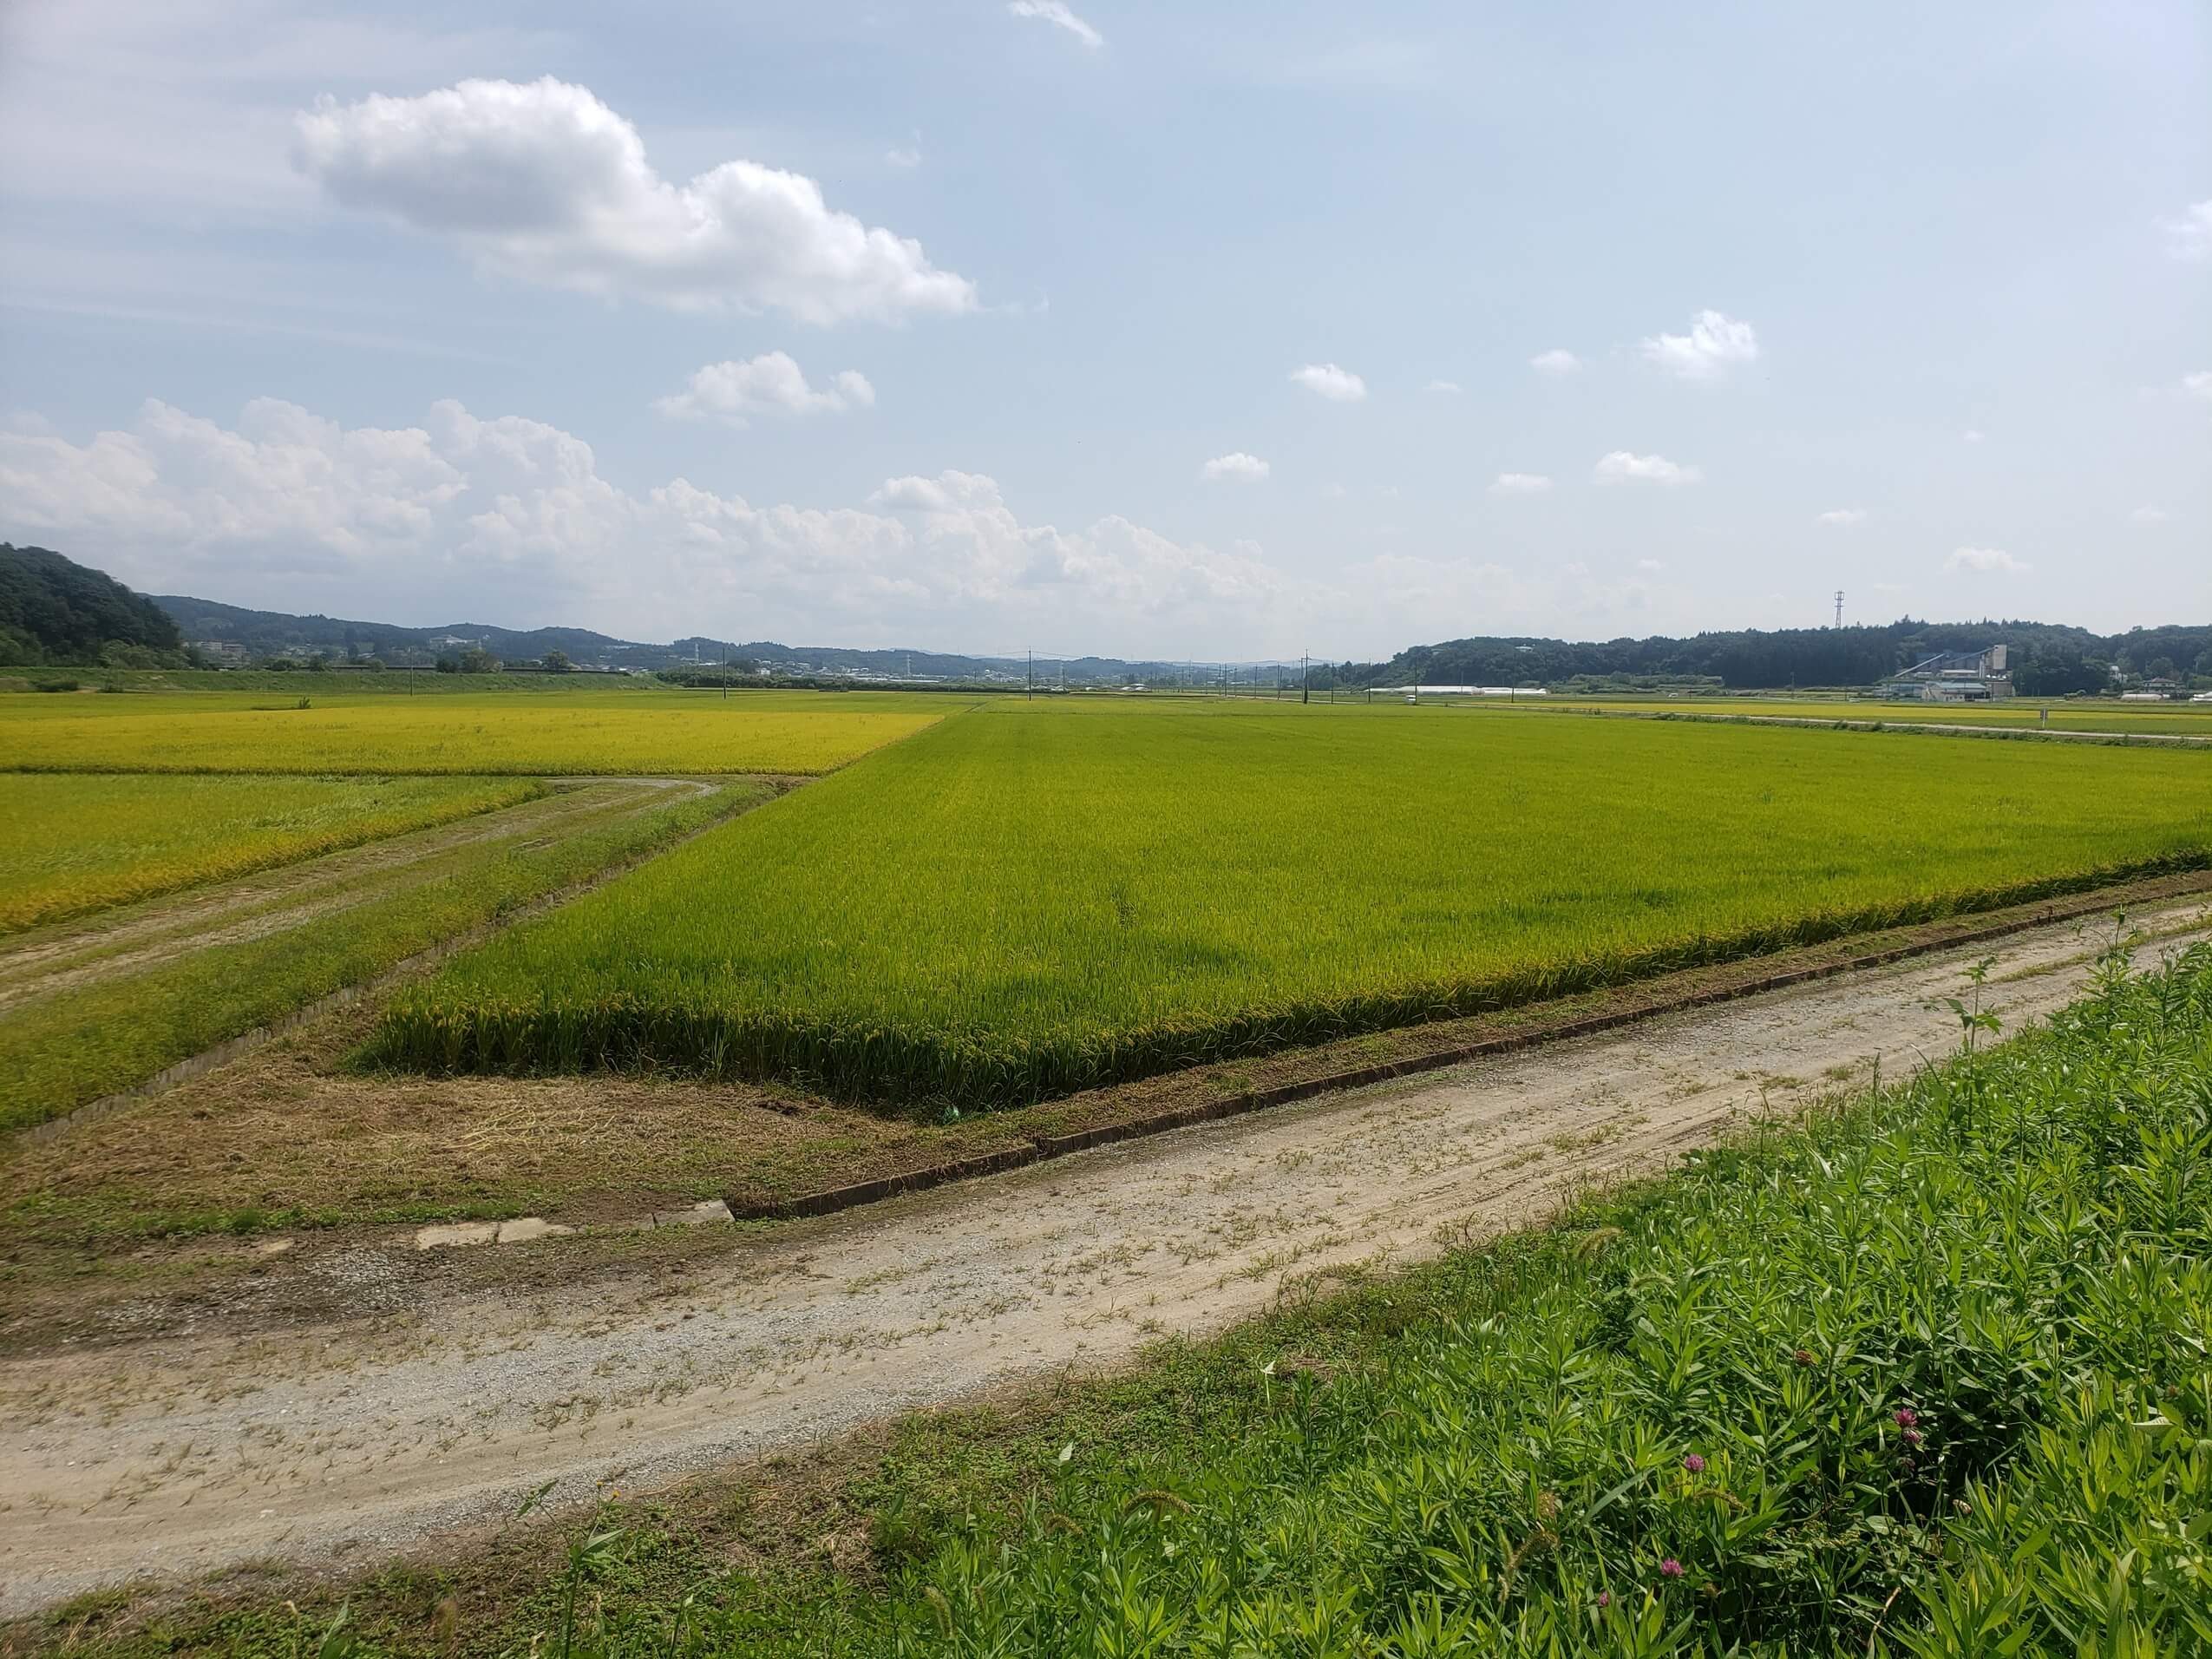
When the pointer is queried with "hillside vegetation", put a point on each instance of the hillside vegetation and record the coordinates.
(55, 611)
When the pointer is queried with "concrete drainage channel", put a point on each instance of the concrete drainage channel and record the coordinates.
(523, 1230)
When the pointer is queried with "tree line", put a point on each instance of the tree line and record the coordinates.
(2047, 659)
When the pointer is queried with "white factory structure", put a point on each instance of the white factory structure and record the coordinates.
(1952, 677)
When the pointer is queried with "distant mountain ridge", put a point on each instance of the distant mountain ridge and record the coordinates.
(2049, 659)
(274, 633)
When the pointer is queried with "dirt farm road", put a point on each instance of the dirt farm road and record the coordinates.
(178, 1455)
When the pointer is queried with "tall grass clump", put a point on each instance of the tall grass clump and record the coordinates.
(1031, 901)
(1930, 1376)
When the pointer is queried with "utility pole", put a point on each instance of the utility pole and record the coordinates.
(1032, 693)
(1305, 677)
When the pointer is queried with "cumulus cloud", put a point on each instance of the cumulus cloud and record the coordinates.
(1442, 385)
(1520, 483)
(2198, 384)
(2189, 235)
(1971, 434)
(1714, 344)
(1651, 565)
(1622, 467)
(1843, 515)
(2147, 515)
(769, 385)
(1556, 362)
(512, 517)
(1326, 380)
(1056, 12)
(1984, 561)
(1238, 467)
(544, 183)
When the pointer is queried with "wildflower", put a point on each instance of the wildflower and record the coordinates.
(1605, 1598)
(1907, 1417)
(1960, 1506)
(1804, 1356)
(1669, 1568)
(1694, 1464)
(1912, 1437)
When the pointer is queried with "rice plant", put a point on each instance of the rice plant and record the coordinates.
(1030, 900)
(70, 846)
(570, 734)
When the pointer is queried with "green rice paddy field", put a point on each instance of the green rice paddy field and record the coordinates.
(1032, 899)
(582, 732)
(71, 845)
(2166, 719)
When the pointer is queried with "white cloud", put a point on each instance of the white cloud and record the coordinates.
(1843, 515)
(2198, 384)
(1338, 386)
(1056, 12)
(1442, 385)
(1332, 492)
(545, 184)
(1984, 560)
(905, 155)
(2147, 515)
(1712, 345)
(769, 385)
(2189, 237)
(1653, 564)
(1622, 467)
(1971, 435)
(1558, 361)
(1237, 468)
(1520, 483)
(512, 518)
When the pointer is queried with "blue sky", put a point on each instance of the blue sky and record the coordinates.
(1216, 331)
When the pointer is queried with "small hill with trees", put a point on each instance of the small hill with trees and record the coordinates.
(55, 611)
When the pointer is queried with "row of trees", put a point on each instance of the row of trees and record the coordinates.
(2046, 660)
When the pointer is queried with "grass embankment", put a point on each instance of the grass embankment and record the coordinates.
(1925, 1376)
(70, 846)
(580, 734)
(61, 1050)
(1032, 900)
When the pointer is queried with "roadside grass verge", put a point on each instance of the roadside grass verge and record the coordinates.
(60, 1052)
(1925, 1375)
(1028, 901)
(72, 845)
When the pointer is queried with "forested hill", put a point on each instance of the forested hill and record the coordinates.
(54, 610)
(2047, 660)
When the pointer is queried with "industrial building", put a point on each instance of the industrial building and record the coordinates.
(1952, 677)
